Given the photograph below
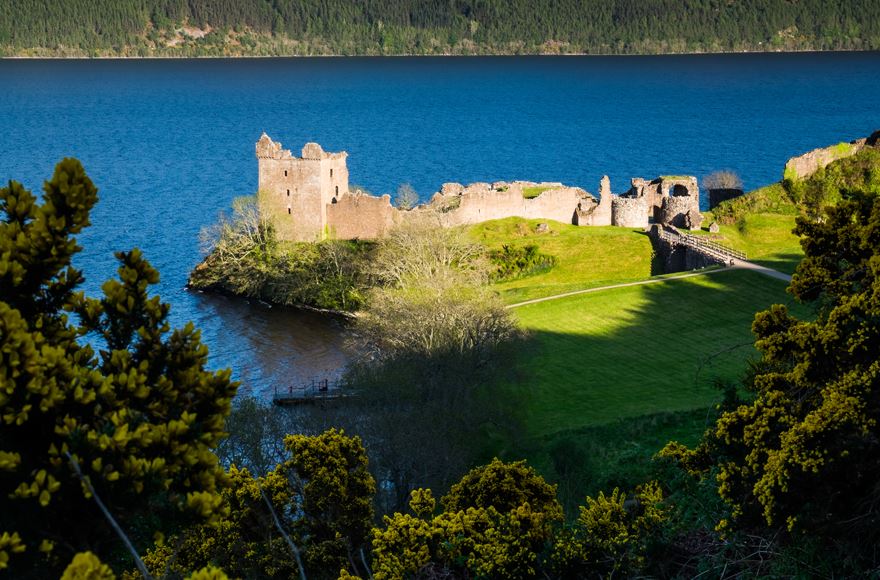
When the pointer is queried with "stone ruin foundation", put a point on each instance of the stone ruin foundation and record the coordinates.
(308, 199)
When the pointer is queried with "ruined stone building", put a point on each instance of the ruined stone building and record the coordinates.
(308, 199)
(803, 166)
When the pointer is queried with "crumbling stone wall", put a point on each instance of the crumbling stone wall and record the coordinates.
(677, 211)
(805, 165)
(308, 199)
(659, 191)
(680, 201)
(360, 216)
(652, 193)
(479, 202)
(596, 213)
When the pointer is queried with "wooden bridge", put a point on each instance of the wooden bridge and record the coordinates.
(311, 392)
(704, 245)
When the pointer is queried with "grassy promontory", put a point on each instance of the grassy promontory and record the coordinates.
(608, 376)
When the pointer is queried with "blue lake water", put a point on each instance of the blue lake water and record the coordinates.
(170, 143)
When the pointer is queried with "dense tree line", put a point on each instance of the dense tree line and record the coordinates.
(133, 27)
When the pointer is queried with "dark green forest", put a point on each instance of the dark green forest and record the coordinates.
(387, 27)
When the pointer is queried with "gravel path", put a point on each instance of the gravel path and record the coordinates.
(738, 265)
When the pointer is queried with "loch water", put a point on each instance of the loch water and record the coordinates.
(170, 143)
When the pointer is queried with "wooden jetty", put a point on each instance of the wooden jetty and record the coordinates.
(312, 392)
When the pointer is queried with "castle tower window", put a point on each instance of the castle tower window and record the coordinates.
(288, 210)
(337, 190)
(285, 173)
(288, 193)
(331, 172)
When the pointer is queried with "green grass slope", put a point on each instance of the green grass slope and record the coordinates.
(595, 358)
(766, 238)
(760, 223)
(771, 198)
(587, 257)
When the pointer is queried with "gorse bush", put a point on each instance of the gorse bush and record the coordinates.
(322, 496)
(800, 459)
(519, 261)
(140, 415)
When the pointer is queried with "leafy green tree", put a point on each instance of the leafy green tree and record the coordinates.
(610, 535)
(140, 416)
(496, 523)
(321, 497)
(802, 460)
(334, 492)
(245, 542)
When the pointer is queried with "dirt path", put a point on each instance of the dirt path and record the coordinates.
(761, 270)
(738, 265)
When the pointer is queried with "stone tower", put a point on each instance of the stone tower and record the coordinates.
(296, 191)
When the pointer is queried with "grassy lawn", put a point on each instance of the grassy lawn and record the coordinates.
(766, 238)
(604, 380)
(601, 457)
(587, 257)
(597, 358)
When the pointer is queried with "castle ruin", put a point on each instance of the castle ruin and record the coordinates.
(308, 199)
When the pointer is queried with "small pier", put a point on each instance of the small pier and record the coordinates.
(311, 392)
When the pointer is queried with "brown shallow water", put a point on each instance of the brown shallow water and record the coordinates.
(272, 346)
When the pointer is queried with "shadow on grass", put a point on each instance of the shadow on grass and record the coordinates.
(605, 379)
(787, 263)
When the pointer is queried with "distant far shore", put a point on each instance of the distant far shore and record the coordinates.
(418, 55)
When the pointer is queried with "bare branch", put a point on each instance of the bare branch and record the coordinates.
(137, 559)
(293, 548)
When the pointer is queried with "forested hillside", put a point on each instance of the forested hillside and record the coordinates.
(279, 27)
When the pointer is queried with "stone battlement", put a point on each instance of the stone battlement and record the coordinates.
(308, 199)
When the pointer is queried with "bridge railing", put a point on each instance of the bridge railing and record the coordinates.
(702, 244)
(314, 389)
